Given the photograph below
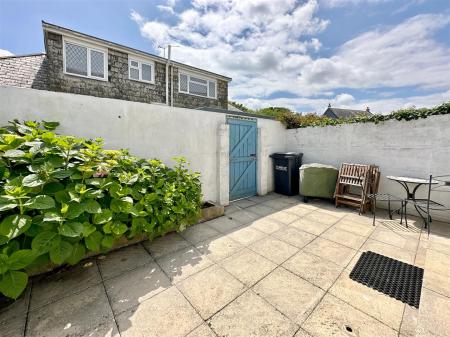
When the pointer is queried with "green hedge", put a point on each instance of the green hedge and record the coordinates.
(62, 197)
(293, 121)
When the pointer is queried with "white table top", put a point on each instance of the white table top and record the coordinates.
(411, 180)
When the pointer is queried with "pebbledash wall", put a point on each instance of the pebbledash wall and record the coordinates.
(400, 148)
(119, 85)
(149, 131)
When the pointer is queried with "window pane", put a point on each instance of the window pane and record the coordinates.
(76, 59)
(212, 89)
(134, 74)
(197, 89)
(134, 64)
(146, 72)
(199, 80)
(97, 64)
(183, 83)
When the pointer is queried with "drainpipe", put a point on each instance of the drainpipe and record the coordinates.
(167, 82)
(169, 54)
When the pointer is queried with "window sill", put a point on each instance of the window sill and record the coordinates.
(141, 81)
(188, 94)
(87, 77)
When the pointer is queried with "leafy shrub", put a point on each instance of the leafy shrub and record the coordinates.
(293, 121)
(62, 197)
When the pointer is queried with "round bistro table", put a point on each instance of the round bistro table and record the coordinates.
(414, 183)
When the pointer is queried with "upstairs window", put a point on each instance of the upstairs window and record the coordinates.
(143, 71)
(85, 61)
(198, 86)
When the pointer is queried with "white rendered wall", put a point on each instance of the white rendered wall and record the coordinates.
(401, 148)
(147, 130)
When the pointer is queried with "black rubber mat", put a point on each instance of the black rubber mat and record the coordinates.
(394, 278)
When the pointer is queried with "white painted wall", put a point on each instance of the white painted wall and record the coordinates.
(401, 148)
(147, 130)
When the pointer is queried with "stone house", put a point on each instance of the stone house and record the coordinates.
(337, 113)
(82, 64)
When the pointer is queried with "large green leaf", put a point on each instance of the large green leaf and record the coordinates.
(103, 217)
(14, 154)
(14, 225)
(60, 252)
(4, 266)
(42, 243)
(13, 283)
(40, 202)
(94, 241)
(71, 229)
(21, 258)
(92, 206)
(75, 210)
(78, 253)
(32, 180)
(7, 202)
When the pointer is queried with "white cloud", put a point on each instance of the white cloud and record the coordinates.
(4, 52)
(271, 46)
(341, 3)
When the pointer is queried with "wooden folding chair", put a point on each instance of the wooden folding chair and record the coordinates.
(354, 185)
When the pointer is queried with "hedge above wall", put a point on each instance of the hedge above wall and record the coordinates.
(62, 197)
(294, 121)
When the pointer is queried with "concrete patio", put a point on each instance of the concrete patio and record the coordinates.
(272, 266)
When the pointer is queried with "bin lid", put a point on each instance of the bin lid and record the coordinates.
(317, 165)
(285, 155)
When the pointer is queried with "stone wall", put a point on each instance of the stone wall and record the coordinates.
(119, 85)
(28, 71)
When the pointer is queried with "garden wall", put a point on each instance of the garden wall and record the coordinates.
(149, 131)
(401, 148)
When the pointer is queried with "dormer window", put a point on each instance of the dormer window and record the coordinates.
(85, 60)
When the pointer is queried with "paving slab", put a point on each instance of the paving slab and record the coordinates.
(261, 210)
(246, 235)
(123, 260)
(383, 307)
(266, 225)
(334, 317)
(55, 286)
(314, 269)
(299, 210)
(135, 286)
(345, 238)
(218, 248)
(243, 203)
(183, 263)
(394, 252)
(284, 217)
(247, 266)
(310, 226)
(244, 216)
(353, 226)
(294, 236)
(395, 238)
(437, 262)
(167, 314)
(249, 315)
(210, 290)
(200, 232)
(18, 309)
(290, 294)
(273, 249)
(202, 331)
(15, 327)
(166, 244)
(277, 204)
(322, 217)
(224, 224)
(85, 314)
(331, 251)
(434, 313)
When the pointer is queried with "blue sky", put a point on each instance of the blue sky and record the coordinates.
(386, 54)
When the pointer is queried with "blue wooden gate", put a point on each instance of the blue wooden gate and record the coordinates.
(242, 157)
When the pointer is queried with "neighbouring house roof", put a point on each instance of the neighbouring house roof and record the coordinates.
(26, 71)
(345, 113)
(231, 107)
(72, 33)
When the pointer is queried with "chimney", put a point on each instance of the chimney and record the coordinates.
(329, 105)
(368, 109)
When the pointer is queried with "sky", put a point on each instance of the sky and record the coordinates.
(382, 54)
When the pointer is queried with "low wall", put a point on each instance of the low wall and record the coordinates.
(401, 148)
(147, 130)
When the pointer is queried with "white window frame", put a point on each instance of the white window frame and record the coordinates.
(89, 47)
(140, 62)
(208, 79)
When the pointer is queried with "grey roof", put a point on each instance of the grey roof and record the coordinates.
(237, 113)
(62, 30)
(345, 113)
(25, 71)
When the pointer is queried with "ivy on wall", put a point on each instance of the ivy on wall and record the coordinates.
(294, 121)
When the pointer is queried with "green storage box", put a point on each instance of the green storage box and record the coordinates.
(318, 180)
